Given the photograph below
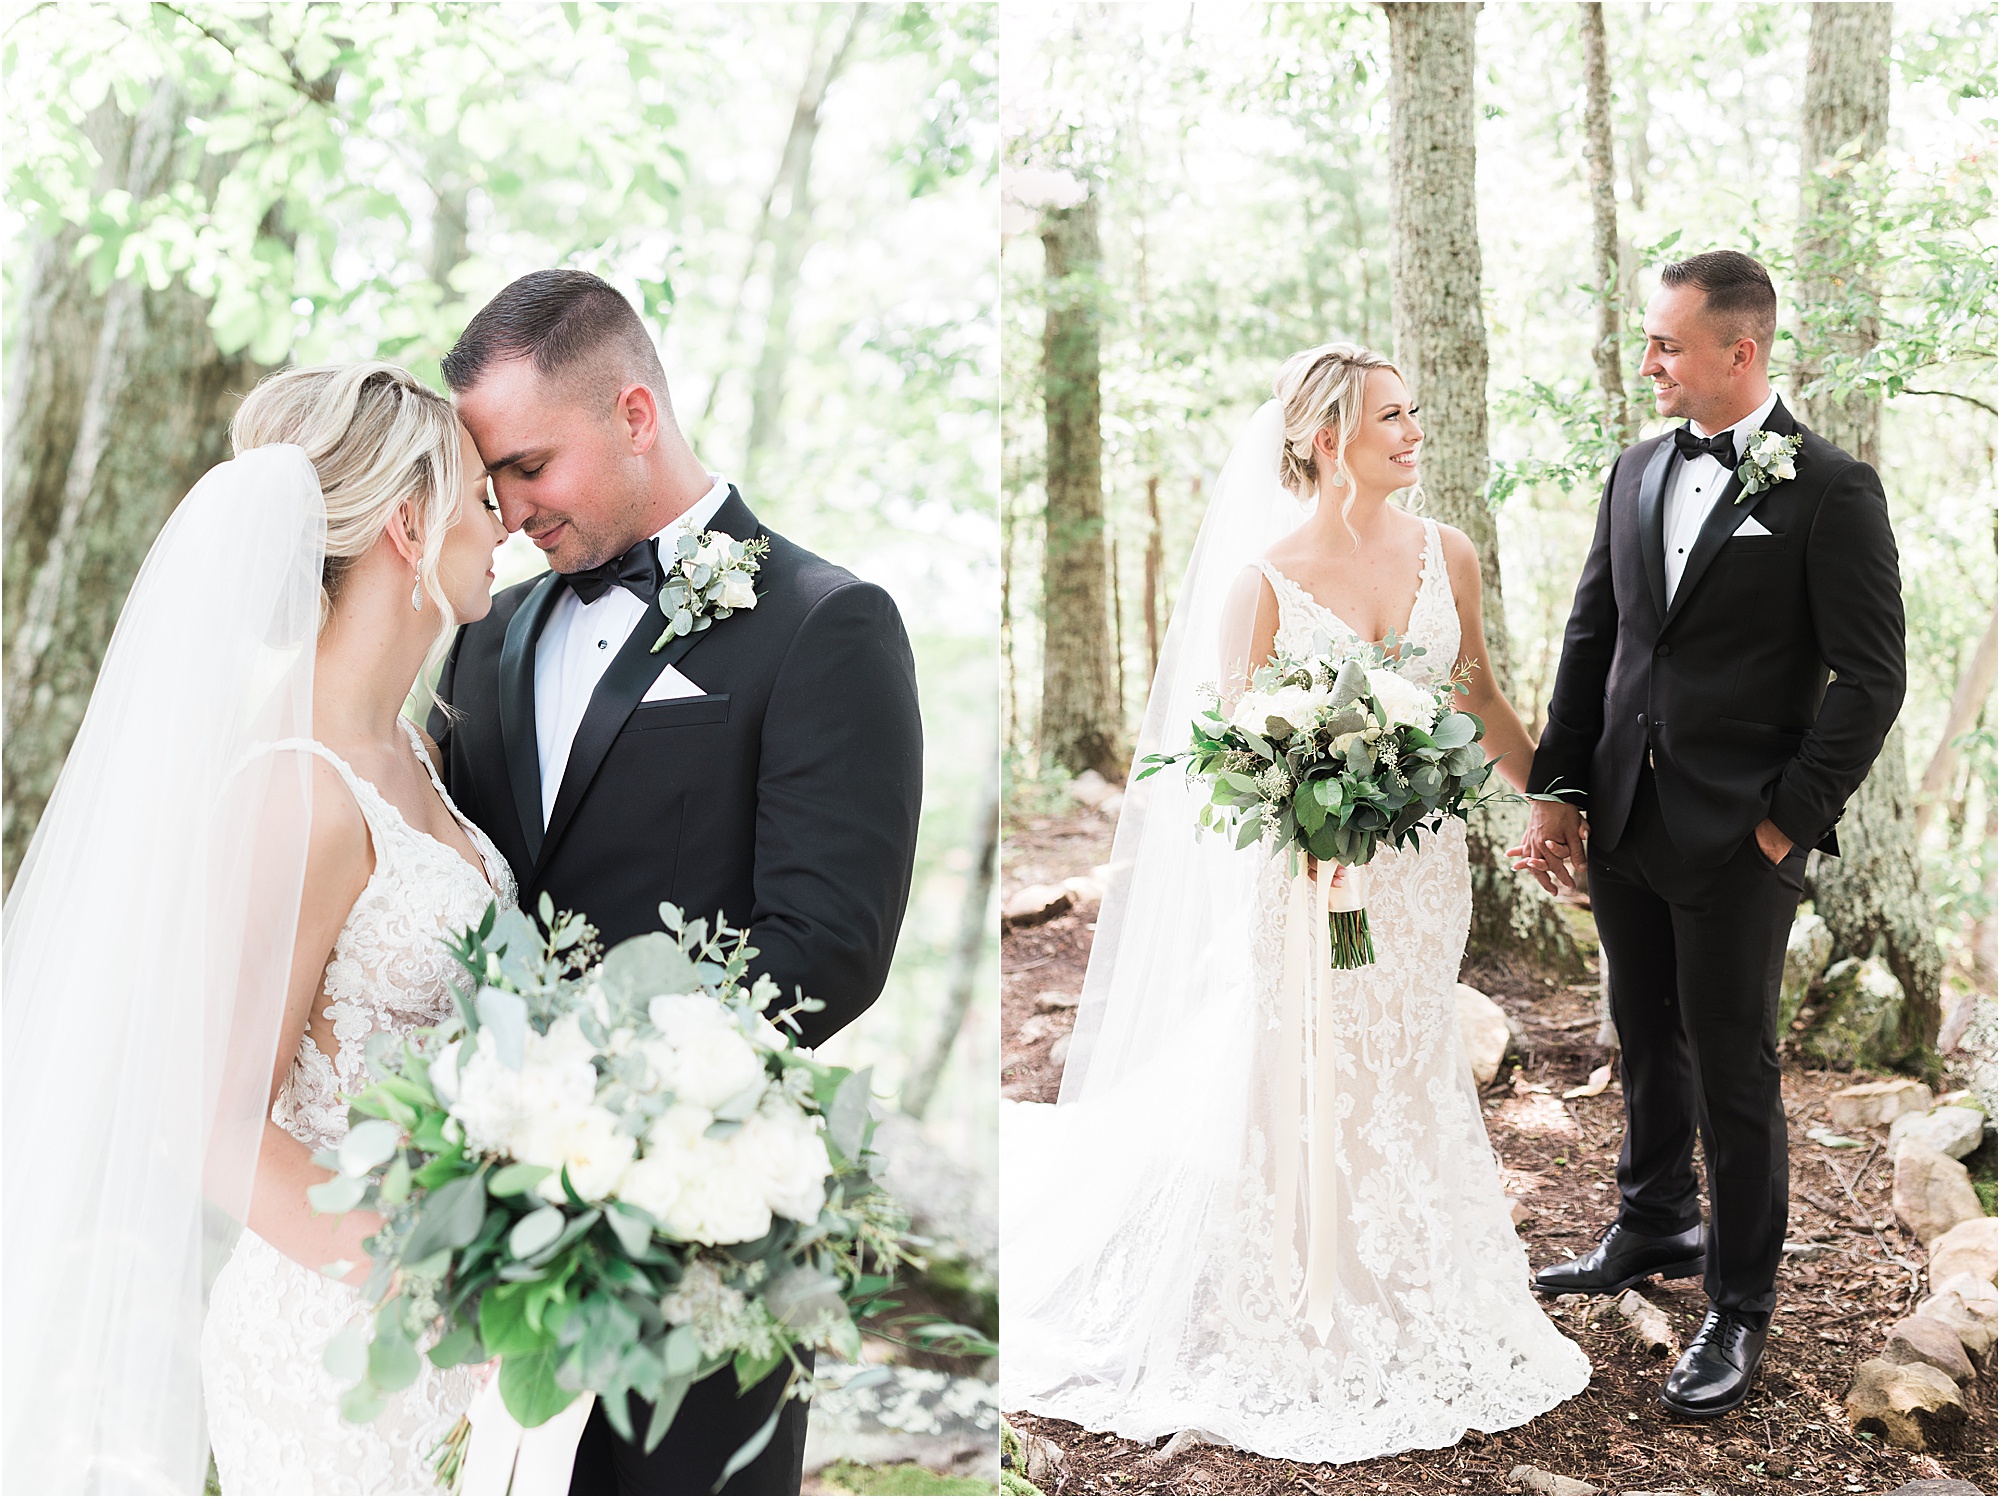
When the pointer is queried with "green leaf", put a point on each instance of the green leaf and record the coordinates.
(395, 1188)
(665, 1407)
(346, 1355)
(368, 1145)
(506, 1015)
(529, 1389)
(450, 1217)
(750, 1449)
(681, 1352)
(633, 1227)
(1252, 829)
(458, 1347)
(535, 1232)
(341, 1194)
(504, 1325)
(393, 1363)
(847, 1119)
(1455, 730)
(645, 966)
(517, 1179)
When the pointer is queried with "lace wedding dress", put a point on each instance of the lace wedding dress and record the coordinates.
(1306, 1253)
(274, 1416)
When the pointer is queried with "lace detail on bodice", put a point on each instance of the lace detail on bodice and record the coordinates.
(1304, 622)
(390, 969)
(1188, 1307)
(273, 1410)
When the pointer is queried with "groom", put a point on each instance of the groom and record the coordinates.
(1740, 562)
(768, 767)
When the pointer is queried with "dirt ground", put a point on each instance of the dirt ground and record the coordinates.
(1858, 1273)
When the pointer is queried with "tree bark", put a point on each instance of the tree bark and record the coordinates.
(1155, 559)
(1441, 349)
(975, 931)
(1604, 224)
(1871, 897)
(1080, 723)
(116, 405)
(788, 224)
(1974, 686)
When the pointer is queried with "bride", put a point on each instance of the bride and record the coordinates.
(243, 875)
(1265, 1209)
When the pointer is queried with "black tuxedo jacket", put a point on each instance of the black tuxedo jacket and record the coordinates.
(785, 798)
(1728, 686)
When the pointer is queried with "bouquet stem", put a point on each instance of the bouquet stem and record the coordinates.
(1352, 945)
(448, 1459)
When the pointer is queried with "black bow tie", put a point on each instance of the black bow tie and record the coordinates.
(637, 571)
(1721, 447)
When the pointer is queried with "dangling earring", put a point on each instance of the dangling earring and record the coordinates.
(417, 593)
(1338, 480)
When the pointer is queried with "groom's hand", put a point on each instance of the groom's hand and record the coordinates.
(1775, 844)
(1552, 847)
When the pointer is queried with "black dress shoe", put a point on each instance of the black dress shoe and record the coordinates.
(1622, 1260)
(1715, 1373)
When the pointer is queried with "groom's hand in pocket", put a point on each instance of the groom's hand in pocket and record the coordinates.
(1551, 850)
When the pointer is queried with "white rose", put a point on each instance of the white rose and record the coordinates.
(715, 1067)
(784, 1154)
(1404, 702)
(589, 1144)
(739, 593)
(712, 552)
(717, 1204)
(678, 1014)
(444, 1074)
(1281, 713)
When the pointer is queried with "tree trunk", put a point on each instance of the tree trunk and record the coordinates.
(975, 931)
(788, 223)
(1080, 723)
(1155, 559)
(1974, 686)
(1441, 349)
(1872, 897)
(1604, 224)
(116, 405)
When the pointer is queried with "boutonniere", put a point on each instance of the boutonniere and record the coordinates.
(709, 577)
(1767, 462)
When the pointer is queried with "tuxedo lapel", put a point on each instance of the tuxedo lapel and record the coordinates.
(517, 707)
(1722, 519)
(624, 682)
(1652, 540)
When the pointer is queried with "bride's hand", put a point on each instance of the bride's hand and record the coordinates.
(1339, 872)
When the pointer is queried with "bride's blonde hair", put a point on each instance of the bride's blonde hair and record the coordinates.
(1317, 389)
(378, 437)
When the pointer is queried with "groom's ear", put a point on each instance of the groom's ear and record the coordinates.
(638, 411)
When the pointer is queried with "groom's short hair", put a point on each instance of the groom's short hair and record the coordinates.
(1737, 293)
(572, 326)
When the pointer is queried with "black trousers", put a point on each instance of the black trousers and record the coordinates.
(710, 1425)
(1696, 955)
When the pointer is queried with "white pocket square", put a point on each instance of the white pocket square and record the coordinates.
(669, 685)
(1750, 527)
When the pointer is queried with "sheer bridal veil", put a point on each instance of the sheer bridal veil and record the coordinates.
(143, 962)
(1175, 922)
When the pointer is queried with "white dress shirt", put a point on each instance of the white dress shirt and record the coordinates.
(1694, 485)
(577, 645)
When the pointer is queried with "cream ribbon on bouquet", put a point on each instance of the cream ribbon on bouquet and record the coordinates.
(504, 1458)
(1308, 1075)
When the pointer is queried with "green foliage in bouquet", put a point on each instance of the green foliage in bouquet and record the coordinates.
(1341, 761)
(557, 1270)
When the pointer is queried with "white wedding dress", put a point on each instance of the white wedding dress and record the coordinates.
(274, 1418)
(1284, 1229)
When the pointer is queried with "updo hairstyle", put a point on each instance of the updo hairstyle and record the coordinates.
(377, 436)
(1319, 388)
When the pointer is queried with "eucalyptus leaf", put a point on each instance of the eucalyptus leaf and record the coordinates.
(847, 1118)
(506, 1016)
(451, 1218)
(367, 1145)
(517, 1179)
(346, 1355)
(535, 1232)
(341, 1194)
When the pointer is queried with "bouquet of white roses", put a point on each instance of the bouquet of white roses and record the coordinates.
(617, 1177)
(1334, 756)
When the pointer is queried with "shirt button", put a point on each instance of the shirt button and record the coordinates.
(603, 644)
(1663, 651)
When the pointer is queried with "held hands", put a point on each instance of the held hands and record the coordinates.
(1339, 872)
(1551, 850)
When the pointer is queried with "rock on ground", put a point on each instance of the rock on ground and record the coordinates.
(1860, 1021)
(1647, 1325)
(1950, 1131)
(1918, 1339)
(948, 1203)
(1483, 1025)
(1806, 952)
(1943, 1487)
(1873, 1104)
(1933, 1193)
(1966, 1306)
(1035, 903)
(1534, 1480)
(881, 1415)
(1911, 1405)
(1970, 1248)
